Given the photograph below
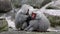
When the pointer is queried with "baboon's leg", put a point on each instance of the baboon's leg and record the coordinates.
(24, 26)
(30, 29)
(32, 24)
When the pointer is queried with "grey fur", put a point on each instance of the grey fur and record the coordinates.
(19, 20)
(41, 23)
(21, 17)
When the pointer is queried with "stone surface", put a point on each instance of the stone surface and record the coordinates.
(5, 5)
(3, 25)
(34, 3)
(22, 32)
(55, 5)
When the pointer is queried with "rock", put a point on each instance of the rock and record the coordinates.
(45, 2)
(34, 3)
(3, 25)
(5, 5)
(23, 32)
(55, 5)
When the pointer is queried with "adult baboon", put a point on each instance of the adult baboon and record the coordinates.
(39, 22)
(21, 16)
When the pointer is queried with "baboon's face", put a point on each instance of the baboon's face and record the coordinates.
(33, 15)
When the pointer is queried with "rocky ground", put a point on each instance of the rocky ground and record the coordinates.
(23, 32)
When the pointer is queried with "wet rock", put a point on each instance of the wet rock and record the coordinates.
(5, 6)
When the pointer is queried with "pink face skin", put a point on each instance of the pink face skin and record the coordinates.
(33, 15)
